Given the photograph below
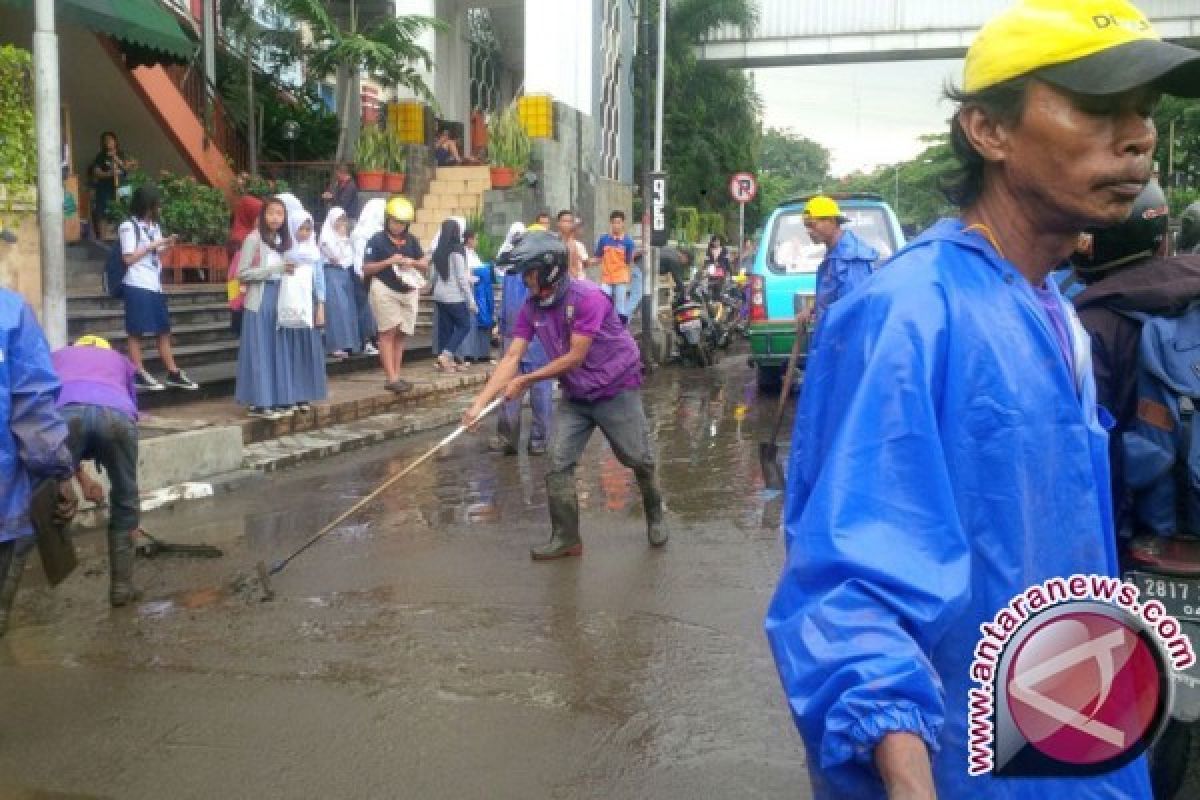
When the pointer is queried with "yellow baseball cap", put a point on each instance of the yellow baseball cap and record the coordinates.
(1091, 47)
(91, 340)
(823, 207)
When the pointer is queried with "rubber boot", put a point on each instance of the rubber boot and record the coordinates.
(656, 525)
(564, 519)
(12, 565)
(121, 591)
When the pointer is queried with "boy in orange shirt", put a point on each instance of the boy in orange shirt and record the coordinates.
(614, 253)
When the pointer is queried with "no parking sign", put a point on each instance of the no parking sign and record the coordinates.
(743, 187)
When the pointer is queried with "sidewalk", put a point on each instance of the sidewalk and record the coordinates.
(193, 450)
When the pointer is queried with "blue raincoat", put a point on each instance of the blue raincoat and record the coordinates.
(849, 263)
(945, 458)
(32, 433)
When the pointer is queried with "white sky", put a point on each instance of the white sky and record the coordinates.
(866, 114)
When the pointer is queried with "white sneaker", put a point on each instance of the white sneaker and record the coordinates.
(144, 380)
(370, 350)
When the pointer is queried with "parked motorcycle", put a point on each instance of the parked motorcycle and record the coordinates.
(697, 330)
(1168, 570)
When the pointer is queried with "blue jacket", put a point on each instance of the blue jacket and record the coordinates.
(513, 296)
(945, 458)
(32, 433)
(849, 263)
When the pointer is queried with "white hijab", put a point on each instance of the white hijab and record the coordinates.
(305, 253)
(370, 222)
(335, 248)
(514, 230)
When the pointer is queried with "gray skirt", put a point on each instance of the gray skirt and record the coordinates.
(341, 311)
(278, 367)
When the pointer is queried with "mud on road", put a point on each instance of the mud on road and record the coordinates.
(417, 651)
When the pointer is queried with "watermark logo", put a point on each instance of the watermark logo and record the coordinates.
(1072, 678)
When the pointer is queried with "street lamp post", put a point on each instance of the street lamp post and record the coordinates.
(291, 132)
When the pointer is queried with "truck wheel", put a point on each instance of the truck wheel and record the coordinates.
(770, 379)
(1169, 759)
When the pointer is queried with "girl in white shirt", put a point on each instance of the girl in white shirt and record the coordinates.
(341, 315)
(141, 242)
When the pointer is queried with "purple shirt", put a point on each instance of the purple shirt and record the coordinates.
(96, 377)
(613, 363)
(1058, 323)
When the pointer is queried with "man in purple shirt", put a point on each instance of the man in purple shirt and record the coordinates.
(98, 401)
(599, 368)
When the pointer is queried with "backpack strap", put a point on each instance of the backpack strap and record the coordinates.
(1180, 470)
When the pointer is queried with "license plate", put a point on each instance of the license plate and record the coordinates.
(1180, 596)
(690, 325)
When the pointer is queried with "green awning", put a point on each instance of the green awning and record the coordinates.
(143, 23)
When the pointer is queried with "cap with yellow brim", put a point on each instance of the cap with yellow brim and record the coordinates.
(1092, 47)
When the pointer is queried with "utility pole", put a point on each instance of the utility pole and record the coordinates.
(648, 270)
(48, 123)
(210, 62)
(652, 281)
(251, 115)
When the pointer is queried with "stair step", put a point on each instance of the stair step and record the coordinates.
(478, 174)
(177, 296)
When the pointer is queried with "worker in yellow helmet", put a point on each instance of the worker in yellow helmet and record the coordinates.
(848, 260)
(396, 266)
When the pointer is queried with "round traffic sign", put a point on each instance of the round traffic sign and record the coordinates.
(743, 187)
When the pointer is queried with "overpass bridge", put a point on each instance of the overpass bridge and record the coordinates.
(806, 32)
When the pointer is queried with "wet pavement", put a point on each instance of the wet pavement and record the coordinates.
(417, 651)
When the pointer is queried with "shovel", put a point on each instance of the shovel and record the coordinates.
(768, 451)
(265, 573)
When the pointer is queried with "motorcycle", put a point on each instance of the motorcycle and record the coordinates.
(698, 332)
(1168, 570)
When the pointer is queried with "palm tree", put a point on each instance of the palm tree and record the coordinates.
(385, 48)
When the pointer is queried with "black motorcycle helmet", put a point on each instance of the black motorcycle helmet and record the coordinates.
(1189, 232)
(1104, 250)
(544, 252)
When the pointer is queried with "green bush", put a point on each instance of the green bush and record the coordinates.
(687, 223)
(198, 214)
(18, 150)
(508, 144)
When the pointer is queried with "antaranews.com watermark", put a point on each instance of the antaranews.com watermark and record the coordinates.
(1072, 677)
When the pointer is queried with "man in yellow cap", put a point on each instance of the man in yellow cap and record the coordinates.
(393, 262)
(848, 260)
(948, 453)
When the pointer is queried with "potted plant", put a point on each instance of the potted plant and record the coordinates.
(508, 147)
(393, 181)
(372, 159)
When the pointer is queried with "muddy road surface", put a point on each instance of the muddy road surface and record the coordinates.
(417, 652)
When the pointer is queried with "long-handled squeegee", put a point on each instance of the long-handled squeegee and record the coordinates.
(265, 573)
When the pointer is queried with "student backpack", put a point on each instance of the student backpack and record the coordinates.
(114, 264)
(1162, 447)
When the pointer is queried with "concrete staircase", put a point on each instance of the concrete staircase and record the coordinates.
(454, 192)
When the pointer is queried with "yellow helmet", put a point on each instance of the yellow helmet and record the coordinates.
(399, 208)
(821, 207)
(91, 340)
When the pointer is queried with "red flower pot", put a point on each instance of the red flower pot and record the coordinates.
(503, 177)
(216, 258)
(393, 182)
(189, 255)
(371, 180)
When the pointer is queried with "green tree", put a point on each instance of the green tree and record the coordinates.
(1181, 115)
(789, 164)
(711, 114)
(913, 187)
(386, 48)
